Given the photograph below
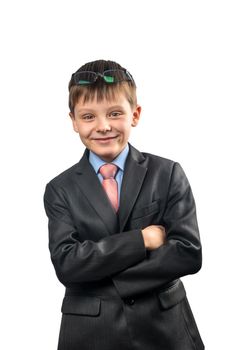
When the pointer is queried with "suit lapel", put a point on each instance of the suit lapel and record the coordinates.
(95, 194)
(134, 173)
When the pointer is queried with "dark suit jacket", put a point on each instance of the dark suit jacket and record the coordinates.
(120, 296)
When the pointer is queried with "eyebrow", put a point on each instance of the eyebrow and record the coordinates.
(89, 110)
(85, 110)
(116, 106)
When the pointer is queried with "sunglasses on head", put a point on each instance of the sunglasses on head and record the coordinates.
(110, 76)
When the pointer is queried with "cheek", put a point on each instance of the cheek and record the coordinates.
(84, 130)
(124, 126)
(127, 127)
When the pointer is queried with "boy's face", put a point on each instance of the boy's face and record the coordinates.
(104, 127)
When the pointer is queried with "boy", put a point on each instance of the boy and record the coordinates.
(122, 228)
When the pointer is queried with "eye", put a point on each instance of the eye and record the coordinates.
(87, 117)
(115, 114)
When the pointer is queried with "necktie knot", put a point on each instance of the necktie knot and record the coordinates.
(108, 170)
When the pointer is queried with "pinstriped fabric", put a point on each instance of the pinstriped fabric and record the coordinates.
(88, 245)
(85, 331)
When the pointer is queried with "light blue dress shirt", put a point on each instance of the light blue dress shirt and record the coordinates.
(97, 162)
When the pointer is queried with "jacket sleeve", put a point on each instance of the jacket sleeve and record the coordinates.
(76, 261)
(180, 255)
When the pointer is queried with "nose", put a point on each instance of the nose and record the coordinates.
(103, 125)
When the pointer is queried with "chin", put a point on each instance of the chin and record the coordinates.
(107, 152)
(108, 156)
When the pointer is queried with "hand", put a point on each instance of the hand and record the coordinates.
(154, 236)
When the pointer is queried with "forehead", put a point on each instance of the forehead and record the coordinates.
(118, 99)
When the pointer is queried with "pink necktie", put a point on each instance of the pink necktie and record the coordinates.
(108, 171)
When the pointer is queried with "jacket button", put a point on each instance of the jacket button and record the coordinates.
(129, 301)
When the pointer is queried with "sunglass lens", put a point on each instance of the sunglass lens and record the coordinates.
(109, 79)
(115, 76)
(84, 78)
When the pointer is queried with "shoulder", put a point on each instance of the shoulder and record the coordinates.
(69, 176)
(65, 176)
(151, 159)
(158, 165)
(65, 182)
(162, 166)
(167, 170)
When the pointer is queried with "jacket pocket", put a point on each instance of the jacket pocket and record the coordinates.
(173, 295)
(145, 211)
(81, 305)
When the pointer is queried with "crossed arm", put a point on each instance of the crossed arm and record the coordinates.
(137, 260)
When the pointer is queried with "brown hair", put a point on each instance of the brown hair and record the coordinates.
(100, 89)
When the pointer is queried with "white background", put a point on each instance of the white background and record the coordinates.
(184, 57)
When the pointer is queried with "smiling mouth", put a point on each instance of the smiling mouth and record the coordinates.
(105, 138)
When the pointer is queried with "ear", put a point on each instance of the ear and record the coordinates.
(74, 124)
(136, 115)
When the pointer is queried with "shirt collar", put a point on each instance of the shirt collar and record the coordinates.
(97, 162)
